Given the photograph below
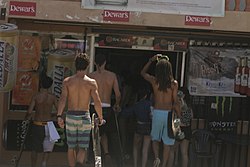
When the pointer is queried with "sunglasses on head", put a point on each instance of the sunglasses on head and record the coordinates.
(163, 57)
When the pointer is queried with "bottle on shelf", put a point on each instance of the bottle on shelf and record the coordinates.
(244, 76)
(248, 80)
(237, 76)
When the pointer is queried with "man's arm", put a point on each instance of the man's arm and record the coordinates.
(56, 103)
(97, 101)
(61, 104)
(63, 99)
(117, 95)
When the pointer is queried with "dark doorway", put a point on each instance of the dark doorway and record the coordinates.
(119, 60)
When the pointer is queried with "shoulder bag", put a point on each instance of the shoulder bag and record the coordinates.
(174, 130)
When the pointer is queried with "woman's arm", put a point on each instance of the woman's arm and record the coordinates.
(175, 99)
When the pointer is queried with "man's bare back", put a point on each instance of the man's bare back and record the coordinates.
(44, 102)
(79, 89)
(106, 81)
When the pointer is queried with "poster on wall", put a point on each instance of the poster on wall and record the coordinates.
(26, 86)
(215, 8)
(218, 71)
(27, 77)
(29, 52)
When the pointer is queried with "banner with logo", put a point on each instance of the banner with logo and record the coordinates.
(19, 8)
(27, 84)
(142, 42)
(213, 71)
(213, 8)
(29, 52)
(171, 44)
(198, 20)
(222, 116)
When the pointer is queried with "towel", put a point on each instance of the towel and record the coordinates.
(54, 136)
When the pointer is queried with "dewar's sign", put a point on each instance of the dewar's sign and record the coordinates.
(197, 20)
(113, 15)
(22, 8)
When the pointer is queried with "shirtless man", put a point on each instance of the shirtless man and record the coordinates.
(77, 91)
(165, 99)
(106, 81)
(43, 103)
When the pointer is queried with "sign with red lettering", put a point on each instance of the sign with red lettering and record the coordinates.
(197, 20)
(113, 15)
(170, 44)
(125, 41)
(22, 8)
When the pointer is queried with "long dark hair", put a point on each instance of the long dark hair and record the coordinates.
(164, 74)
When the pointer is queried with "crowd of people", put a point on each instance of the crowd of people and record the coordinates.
(146, 106)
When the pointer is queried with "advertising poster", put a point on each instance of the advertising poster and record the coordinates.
(26, 86)
(216, 71)
(8, 56)
(29, 52)
(125, 41)
(173, 44)
(215, 8)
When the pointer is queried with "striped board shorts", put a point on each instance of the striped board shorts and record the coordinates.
(78, 127)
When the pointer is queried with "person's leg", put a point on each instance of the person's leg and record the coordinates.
(123, 132)
(48, 146)
(71, 157)
(137, 144)
(156, 153)
(184, 152)
(33, 158)
(166, 150)
(38, 134)
(45, 159)
(146, 144)
(171, 158)
(104, 143)
(81, 155)
(156, 149)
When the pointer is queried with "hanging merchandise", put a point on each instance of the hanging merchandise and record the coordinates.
(248, 80)
(8, 56)
(60, 66)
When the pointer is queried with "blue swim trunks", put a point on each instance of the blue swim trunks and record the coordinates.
(160, 127)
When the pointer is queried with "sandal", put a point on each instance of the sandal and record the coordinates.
(157, 162)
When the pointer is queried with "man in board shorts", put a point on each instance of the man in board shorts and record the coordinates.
(107, 82)
(43, 103)
(77, 90)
